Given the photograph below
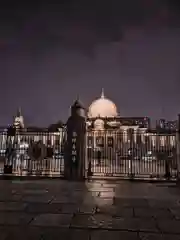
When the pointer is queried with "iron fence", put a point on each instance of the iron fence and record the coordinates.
(16, 157)
(110, 153)
(120, 154)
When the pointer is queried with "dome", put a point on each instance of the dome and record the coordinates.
(102, 107)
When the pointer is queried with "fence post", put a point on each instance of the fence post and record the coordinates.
(131, 153)
(11, 132)
(178, 147)
(167, 167)
(75, 148)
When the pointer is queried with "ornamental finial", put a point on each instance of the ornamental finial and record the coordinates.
(102, 93)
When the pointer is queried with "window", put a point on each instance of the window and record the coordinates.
(100, 141)
(57, 142)
(90, 141)
(110, 141)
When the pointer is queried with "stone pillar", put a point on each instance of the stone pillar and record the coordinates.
(75, 148)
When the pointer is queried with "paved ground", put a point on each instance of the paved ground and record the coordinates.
(57, 209)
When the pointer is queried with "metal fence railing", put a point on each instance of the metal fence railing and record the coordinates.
(146, 155)
(109, 153)
(19, 156)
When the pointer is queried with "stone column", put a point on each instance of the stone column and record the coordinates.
(75, 148)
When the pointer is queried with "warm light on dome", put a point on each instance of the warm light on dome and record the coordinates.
(102, 107)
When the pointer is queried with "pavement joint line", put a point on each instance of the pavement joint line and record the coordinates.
(32, 219)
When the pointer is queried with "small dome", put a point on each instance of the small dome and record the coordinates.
(102, 107)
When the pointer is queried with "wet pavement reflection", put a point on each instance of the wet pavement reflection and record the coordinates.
(59, 209)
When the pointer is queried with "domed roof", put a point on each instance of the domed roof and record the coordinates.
(102, 107)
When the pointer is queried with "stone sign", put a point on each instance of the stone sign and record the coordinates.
(75, 145)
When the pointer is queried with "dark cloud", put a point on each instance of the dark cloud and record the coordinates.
(51, 52)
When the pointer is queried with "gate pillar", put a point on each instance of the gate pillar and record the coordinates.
(74, 159)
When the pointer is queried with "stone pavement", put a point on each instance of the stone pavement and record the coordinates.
(58, 209)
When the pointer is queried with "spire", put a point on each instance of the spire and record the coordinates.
(19, 113)
(18, 119)
(102, 93)
(77, 103)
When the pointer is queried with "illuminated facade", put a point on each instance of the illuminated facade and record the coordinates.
(167, 125)
(103, 123)
(52, 136)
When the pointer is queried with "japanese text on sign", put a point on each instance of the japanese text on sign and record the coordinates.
(74, 151)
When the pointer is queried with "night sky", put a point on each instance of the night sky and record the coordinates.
(49, 53)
